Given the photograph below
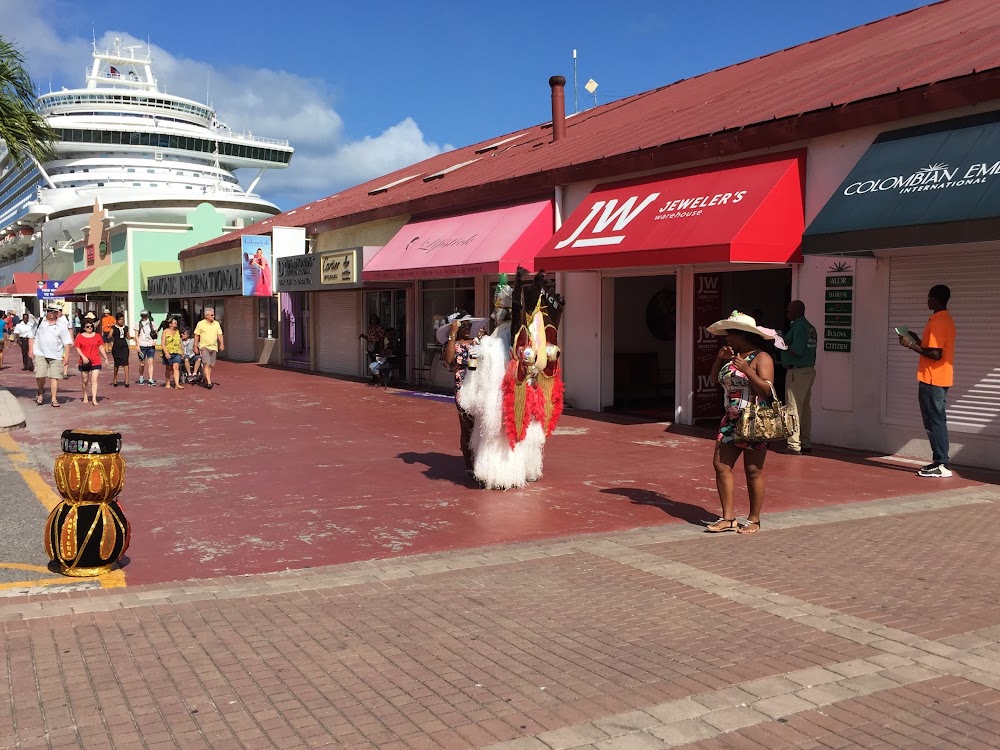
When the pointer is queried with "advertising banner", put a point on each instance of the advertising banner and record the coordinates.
(706, 401)
(256, 263)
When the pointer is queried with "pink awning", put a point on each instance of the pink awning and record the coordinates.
(484, 242)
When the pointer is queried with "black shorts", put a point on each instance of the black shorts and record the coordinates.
(88, 368)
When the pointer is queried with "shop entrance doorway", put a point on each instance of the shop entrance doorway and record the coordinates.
(295, 329)
(390, 306)
(645, 346)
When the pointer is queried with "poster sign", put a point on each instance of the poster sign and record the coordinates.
(706, 401)
(48, 289)
(208, 282)
(256, 263)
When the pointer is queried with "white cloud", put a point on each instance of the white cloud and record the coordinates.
(270, 103)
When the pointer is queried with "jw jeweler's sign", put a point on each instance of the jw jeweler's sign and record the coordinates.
(320, 272)
(210, 282)
(917, 181)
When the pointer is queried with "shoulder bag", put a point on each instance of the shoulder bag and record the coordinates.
(764, 422)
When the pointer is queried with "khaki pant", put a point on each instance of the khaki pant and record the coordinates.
(798, 388)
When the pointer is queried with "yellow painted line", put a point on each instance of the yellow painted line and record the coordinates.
(41, 582)
(49, 499)
(25, 566)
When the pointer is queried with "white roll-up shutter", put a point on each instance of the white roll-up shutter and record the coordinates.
(338, 350)
(972, 276)
(241, 329)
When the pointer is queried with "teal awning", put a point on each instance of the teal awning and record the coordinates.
(927, 185)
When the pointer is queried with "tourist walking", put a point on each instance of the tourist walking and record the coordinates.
(119, 349)
(746, 373)
(935, 375)
(145, 336)
(90, 348)
(799, 359)
(171, 349)
(21, 331)
(48, 345)
(208, 342)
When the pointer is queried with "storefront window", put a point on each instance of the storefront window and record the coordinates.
(267, 317)
(439, 299)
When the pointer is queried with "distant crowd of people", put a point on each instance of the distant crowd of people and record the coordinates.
(47, 344)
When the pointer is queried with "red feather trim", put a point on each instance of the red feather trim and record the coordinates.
(558, 390)
(509, 420)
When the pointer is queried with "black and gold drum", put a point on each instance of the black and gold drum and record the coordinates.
(87, 533)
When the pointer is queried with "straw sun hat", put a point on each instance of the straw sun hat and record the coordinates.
(738, 321)
(476, 326)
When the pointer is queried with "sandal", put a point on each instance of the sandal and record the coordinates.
(749, 527)
(56, 404)
(717, 527)
(39, 400)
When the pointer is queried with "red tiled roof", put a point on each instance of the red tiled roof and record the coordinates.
(933, 58)
(25, 284)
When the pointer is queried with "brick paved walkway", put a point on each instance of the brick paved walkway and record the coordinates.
(873, 624)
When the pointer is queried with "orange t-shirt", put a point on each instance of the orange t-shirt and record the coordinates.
(938, 334)
(107, 323)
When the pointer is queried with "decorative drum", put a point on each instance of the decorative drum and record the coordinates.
(87, 533)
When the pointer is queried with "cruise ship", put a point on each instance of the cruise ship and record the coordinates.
(146, 155)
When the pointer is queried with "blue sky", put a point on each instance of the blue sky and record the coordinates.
(361, 89)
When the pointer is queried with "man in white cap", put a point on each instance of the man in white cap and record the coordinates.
(49, 344)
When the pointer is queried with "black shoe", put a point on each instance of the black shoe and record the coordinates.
(126, 384)
(115, 384)
(790, 452)
(807, 450)
(210, 386)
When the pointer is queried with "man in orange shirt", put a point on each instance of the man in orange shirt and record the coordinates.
(107, 323)
(935, 373)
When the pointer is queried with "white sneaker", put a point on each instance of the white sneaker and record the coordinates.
(141, 380)
(939, 470)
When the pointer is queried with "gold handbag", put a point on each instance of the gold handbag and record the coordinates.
(760, 423)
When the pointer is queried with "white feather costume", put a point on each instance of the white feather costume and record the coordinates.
(496, 464)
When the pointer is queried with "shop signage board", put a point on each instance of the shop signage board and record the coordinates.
(838, 328)
(210, 282)
(319, 272)
(339, 268)
(706, 399)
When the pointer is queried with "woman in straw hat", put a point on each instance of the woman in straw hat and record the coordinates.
(746, 372)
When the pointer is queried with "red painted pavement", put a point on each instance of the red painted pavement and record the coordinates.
(276, 469)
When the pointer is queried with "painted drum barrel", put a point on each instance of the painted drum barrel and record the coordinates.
(86, 539)
(87, 532)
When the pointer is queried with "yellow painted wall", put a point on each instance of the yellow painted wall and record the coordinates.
(371, 233)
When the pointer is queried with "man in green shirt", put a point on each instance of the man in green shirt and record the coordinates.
(800, 362)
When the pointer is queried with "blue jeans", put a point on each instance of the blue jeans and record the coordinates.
(932, 410)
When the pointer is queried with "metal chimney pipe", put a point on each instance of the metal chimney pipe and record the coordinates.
(558, 84)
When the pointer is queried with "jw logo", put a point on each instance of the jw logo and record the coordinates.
(614, 216)
(705, 383)
(708, 284)
(705, 337)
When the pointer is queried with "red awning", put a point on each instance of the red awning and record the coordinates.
(748, 211)
(74, 280)
(495, 241)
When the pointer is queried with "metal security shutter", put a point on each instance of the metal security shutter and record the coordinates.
(241, 329)
(972, 276)
(338, 350)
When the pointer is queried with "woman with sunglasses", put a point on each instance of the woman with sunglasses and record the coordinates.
(90, 346)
